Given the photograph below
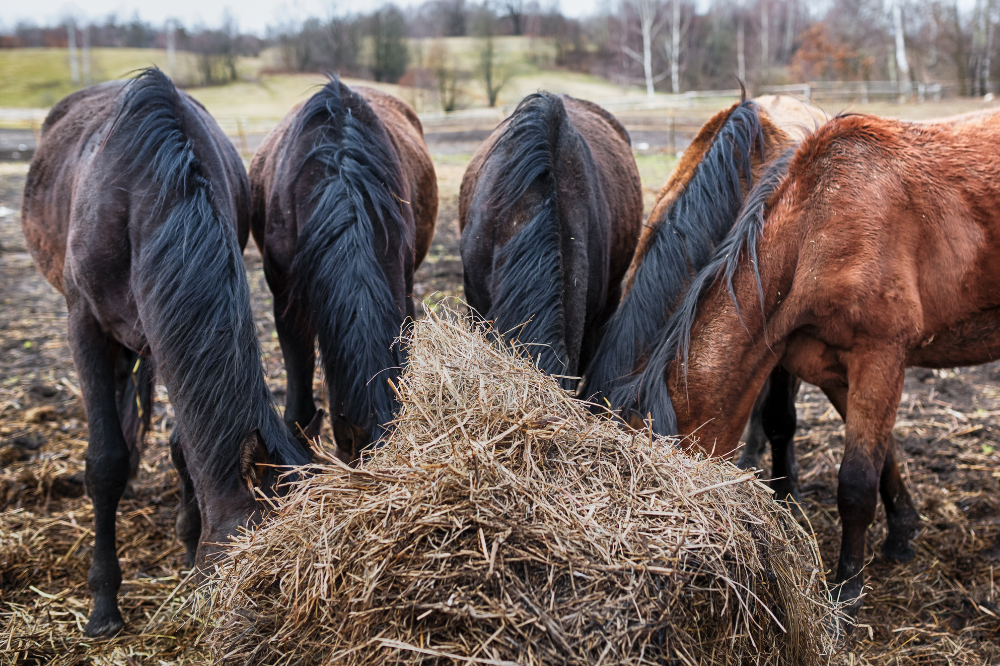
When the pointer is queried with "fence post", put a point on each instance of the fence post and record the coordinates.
(921, 89)
(671, 148)
(864, 92)
(244, 149)
(807, 92)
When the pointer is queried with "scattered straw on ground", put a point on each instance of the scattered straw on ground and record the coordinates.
(503, 523)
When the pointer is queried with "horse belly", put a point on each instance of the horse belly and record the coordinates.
(972, 341)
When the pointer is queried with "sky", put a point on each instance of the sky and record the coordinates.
(252, 15)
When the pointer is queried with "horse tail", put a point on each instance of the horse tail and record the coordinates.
(650, 395)
(679, 244)
(134, 382)
(190, 284)
(527, 298)
(339, 274)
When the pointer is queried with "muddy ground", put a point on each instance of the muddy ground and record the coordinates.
(942, 608)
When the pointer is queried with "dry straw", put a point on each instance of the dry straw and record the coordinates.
(503, 523)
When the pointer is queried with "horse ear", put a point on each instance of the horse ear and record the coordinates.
(308, 434)
(635, 420)
(254, 459)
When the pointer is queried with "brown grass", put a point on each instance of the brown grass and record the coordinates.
(504, 523)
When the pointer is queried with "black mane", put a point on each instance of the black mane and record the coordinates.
(528, 283)
(681, 243)
(338, 274)
(191, 287)
(649, 394)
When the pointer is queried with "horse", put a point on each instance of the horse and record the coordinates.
(693, 212)
(874, 249)
(136, 209)
(344, 202)
(550, 210)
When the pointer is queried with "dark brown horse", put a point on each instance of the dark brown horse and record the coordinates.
(550, 210)
(135, 209)
(344, 205)
(693, 212)
(879, 250)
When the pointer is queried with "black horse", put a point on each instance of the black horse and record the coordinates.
(550, 210)
(344, 205)
(136, 209)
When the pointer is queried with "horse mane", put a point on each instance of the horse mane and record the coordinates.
(338, 275)
(527, 305)
(680, 243)
(191, 287)
(650, 394)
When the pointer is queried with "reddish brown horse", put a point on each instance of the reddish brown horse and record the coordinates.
(880, 250)
(135, 209)
(694, 211)
(344, 205)
(550, 210)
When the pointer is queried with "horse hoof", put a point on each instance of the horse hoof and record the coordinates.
(104, 624)
(897, 552)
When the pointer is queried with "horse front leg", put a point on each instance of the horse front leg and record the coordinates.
(298, 347)
(188, 524)
(875, 384)
(778, 420)
(107, 461)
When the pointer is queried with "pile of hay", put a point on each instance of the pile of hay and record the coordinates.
(503, 523)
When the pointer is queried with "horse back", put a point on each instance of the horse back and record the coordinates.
(896, 226)
(407, 135)
(615, 168)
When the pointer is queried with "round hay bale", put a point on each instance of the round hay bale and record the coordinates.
(503, 523)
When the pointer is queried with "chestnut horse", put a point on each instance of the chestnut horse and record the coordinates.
(135, 209)
(344, 204)
(550, 210)
(693, 212)
(878, 251)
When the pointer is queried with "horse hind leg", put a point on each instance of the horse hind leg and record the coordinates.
(875, 381)
(298, 347)
(902, 518)
(188, 524)
(134, 382)
(107, 462)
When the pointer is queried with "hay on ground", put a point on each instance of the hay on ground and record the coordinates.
(503, 523)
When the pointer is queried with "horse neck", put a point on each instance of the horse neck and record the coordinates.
(734, 349)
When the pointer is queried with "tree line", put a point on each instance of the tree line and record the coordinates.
(662, 45)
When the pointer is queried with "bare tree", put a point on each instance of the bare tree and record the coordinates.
(445, 71)
(649, 27)
(85, 55)
(901, 62)
(790, 7)
(74, 66)
(741, 61)
(492, 70)
(672, 46)
(765, 46)
(515, 9)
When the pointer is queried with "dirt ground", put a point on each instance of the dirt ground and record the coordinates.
(942, 608)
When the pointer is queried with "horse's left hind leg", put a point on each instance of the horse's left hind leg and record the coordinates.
(903, 520)
(107, 461)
